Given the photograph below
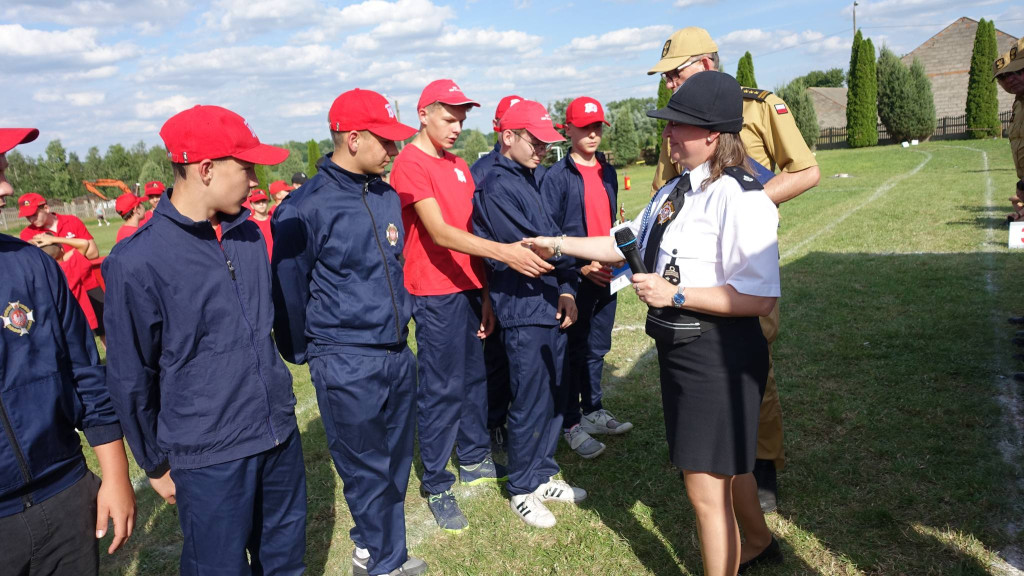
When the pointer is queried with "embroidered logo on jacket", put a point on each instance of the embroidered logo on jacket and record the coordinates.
(18, 318)
(392, 234)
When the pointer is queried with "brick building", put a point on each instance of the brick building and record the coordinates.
(947, 60)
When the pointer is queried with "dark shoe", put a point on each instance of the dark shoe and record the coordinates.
(446, 512)
(1018, 377)
(412, 567)
(1019, 320)
(767, 485)
(770, 555)
(487, 471)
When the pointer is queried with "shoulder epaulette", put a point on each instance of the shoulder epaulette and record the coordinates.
(747, 182)
(755, 94)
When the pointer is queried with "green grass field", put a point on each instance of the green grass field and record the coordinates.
(893, 365)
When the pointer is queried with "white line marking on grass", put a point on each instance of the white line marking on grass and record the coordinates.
(879, 192)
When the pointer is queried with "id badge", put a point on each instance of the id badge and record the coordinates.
(671, 273)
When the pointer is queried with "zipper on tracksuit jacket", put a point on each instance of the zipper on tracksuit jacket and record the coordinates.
(18, 454)
(387, 270)
(252, 342)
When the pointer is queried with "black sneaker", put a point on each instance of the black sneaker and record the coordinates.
(487, 471)
(412, 567)
(446, 512)
(767, 485)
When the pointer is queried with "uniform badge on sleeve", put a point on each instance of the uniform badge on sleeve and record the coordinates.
(18, 318)
(781, 109)
(666, 212)
(392, 234)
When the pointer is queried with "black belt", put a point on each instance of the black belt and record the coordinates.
(679, 327)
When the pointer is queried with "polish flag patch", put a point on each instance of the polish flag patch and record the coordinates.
(781, 109)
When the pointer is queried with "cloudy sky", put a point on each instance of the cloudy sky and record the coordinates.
(97, 72)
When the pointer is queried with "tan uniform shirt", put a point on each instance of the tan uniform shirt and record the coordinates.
(769, 133)
(1017, 135)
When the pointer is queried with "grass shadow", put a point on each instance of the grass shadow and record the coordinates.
(321, 505)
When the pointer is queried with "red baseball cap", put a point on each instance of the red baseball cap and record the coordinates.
(534, 118)
(154, 188)
(258, 196)
(444, 91)
(28, 204)
(584, 111)
(211, 132)
(11, 137)
(126, 202)
(367, 110)
(504, 104)
(279, 186)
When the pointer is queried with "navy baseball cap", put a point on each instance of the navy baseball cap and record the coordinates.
(708, 99)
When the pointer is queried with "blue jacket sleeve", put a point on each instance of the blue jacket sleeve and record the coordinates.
(553, 191)
(134, 326)
(292, 267)
(98, 420)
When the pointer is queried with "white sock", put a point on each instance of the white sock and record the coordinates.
(362, 553)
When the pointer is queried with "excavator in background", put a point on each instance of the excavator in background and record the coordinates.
(95, 185)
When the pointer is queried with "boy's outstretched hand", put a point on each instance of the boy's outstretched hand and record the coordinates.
(116, 499)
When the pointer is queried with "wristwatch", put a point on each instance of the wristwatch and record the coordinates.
(678, 299)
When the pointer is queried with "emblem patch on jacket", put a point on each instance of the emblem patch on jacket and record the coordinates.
(18, 318)
(392, 234)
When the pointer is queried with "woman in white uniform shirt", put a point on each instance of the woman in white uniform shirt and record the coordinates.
(709, 237)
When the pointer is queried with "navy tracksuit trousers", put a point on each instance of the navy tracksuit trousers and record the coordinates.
(535, 356)
(589, 339)
(451, 399)
(498, 392)
(367, 402)
(255, 504)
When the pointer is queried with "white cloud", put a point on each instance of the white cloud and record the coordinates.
(759, 41)
(93, 74)
(82, 99)
(47, 96)
(304, 109)
(622, 40)
(106, 13)
(243, 65)
(685, 3)
(389, 19)
(24, 48)
(163, 108)
(242, 18)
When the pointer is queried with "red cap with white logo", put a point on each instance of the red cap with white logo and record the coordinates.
(212, 132)
(258, 196)
(154, 188)
(444, 91)
(584, 111)
(534, 118)
(367, 110)
(28, 204)
(504, 104)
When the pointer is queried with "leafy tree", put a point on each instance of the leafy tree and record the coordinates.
(800, 106)
(151, 171)
(905, 103)
(23, 174)
(854, 51)
(982, 103)
(745, 71)
(831, 78)
(93, 164)
(55, 169)
(470, 144)
(118, 164)
(624, 143)
(262, 178)
(664, 95)
(862, 100)
(76, 170)
(313, 155)
(557, 110)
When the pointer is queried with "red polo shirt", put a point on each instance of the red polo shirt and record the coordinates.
(595, 200)
(67, 227)
(431, 270)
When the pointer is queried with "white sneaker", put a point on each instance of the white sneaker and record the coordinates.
(602, 422)
(532, 510)
(560, 491)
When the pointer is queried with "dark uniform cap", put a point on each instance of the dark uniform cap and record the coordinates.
(708, 99)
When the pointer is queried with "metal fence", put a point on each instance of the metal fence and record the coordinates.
(946, 128)
(83, 209)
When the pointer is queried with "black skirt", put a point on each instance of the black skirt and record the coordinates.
(711, 391)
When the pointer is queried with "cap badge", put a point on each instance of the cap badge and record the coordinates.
(546, 117)
(1013, 53)
(27, 202)
(666, 212)
(391, 111)
(513, 102)
(664, 51)
(18, 318)
(1001, 63)
(455, 88)
(460, 175)
(748, 179)
(392, 234)
(590, 108)
(251, 131)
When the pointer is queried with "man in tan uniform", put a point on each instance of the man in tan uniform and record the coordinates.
(773, 140)
(1008, 69)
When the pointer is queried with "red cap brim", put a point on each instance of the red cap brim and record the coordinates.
(263, 154)
(545, 133)
(28, 211)
(393, 131)
(11, 137)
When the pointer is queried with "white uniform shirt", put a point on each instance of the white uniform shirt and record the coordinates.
(723, 235)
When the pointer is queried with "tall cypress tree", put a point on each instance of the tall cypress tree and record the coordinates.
(854, 50)
(862, 100)
(745, 71)
(263, 178)
(982, 99)
(313, 151)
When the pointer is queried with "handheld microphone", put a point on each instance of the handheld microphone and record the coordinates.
(626, 241)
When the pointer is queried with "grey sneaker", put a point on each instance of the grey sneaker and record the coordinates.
(359, 565)
(412, 567)
(582, 443)
(602, 422)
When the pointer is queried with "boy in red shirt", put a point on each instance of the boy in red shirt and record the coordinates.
(450, 304)
(77, 270)
(129, 207)
(154, 191)
(260, 205)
